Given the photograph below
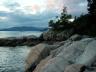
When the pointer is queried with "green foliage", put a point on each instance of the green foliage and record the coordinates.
(85, 24)
(92, 7)
(92, 16)
(64, 16)
(92, 12)
(51, 23)
(80, 24)
(62, 22)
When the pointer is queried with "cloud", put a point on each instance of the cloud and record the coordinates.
(76, 7)
(22, 19)
(2, 8)
(36, 12)
(2, 18)
(11, 5)
(39, 6)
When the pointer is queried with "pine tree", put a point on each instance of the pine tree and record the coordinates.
(92, 15)
(61, 22)
(92, 7)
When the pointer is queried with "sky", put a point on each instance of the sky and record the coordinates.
(14, 13)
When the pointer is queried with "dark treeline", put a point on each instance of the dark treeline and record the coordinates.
(84, 24)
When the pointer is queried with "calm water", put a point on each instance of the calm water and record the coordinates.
(13, 59)
(4, 34)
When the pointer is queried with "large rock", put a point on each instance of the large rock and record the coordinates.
(66, 56)
(53, 35)
(42, 64)
(89, 55)
(38, 53)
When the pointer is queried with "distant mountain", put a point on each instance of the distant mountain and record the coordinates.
(24, 29)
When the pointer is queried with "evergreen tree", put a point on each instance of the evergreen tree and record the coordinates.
(61, 22)
(80, 24)
(92, 16)
(92, 7)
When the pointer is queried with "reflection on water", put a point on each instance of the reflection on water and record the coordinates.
(13, 59)
(4, 34)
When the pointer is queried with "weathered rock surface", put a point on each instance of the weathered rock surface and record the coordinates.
(72, 55)
(57, 36)
(68, 54)
(89, 55)
(20, 41)
(38, 53)
(41, 64)
(75, 68)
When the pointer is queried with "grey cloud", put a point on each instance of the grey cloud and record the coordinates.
(74, 6)
(18, 18)
(21, 19)
(12, 5)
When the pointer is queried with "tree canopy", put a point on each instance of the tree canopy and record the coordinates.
(92, 7)
(92, 16)
(84, 24)
(61, 22)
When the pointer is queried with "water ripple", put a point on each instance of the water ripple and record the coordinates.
(13, 59)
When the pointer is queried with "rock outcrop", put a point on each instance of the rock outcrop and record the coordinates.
(20, 41)
(77, 54)
(38, 53)
(57, 36)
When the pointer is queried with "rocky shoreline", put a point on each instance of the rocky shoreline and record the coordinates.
(20, 41)
(76, 54)
(46, 37)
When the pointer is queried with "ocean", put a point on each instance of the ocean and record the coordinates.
(5, 34)
(12, 59)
